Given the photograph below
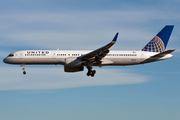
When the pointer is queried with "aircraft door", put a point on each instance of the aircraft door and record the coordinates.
(54, 55)
(21, 55)
(142, 56)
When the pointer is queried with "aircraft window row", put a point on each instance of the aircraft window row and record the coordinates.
(69, 54)
(107, 55)
(35, 54)
(61, 54)
(122, 55)
(75, 54)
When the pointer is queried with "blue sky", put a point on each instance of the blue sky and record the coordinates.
(149, 91)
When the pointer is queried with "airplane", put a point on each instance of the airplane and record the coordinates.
(76, 60)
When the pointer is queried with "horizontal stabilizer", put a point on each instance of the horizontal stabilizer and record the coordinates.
(162, 54)
(157, 56)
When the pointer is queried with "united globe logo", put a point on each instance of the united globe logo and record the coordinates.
(155, 45)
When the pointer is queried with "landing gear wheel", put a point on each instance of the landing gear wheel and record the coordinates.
(23, 68)
(24, 72)
(93, 73)
(88, 73)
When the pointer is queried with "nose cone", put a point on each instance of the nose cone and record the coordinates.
(5, 60)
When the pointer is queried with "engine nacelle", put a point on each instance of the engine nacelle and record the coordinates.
(73, 69)
(73, 64)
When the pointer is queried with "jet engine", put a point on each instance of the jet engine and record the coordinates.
(73, 64)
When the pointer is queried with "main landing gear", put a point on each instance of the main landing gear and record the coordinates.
(24, 72)
(90, 71)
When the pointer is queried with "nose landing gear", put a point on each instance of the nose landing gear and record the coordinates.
(24, 72)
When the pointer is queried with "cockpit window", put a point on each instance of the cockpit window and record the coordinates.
(10, 55)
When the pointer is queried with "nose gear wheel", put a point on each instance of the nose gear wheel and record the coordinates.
(23, 68)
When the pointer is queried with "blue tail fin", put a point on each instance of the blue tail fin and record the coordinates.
(159, 42)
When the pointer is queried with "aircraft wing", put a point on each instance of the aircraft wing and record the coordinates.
(99, 53)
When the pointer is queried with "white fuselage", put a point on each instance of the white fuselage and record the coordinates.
(59, 57)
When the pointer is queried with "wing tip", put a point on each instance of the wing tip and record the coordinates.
(115, 37)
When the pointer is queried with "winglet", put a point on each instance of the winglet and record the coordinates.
(115, 38)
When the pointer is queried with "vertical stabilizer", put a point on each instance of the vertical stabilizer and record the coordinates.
(160, 41)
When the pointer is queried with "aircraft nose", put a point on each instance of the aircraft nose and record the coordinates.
(5, 60)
